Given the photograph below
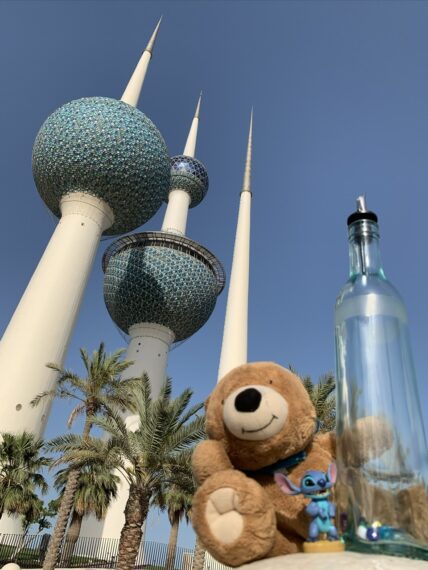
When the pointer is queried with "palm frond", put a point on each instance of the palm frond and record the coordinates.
(77, 411)
(42, 396)
(21, 467)
(322, 395)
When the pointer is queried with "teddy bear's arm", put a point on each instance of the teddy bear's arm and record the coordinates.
(328, 442)
(208, 458)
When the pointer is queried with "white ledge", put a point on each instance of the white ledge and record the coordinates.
(336, 561)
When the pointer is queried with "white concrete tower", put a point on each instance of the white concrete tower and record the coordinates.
(150, 343)
(235, 334)
(94, 188)
(159, 288)
(179, 199)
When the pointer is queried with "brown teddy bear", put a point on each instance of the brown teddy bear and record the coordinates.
(260, 420)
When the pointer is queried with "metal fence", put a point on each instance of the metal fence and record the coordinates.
(213, 564)
(29, 552)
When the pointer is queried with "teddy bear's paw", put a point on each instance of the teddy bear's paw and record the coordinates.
(234, 518)
(222, 515)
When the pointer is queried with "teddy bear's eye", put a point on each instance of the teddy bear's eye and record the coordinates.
(270, 381)
(222, 402)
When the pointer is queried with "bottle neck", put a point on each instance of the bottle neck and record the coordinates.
(364, 251)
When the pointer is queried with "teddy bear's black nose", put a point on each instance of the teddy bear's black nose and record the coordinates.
(248, 400)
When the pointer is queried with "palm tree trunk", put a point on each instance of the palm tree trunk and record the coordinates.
(65, 509)
(136, 510)
(62, 520)
(172, 543)
(71, 538)
(198, 556)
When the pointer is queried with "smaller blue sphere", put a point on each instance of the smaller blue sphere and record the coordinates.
(190, 175)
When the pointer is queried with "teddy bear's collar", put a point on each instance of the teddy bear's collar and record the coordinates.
(281, 465)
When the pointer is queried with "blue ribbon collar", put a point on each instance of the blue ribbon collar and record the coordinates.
(281, 465)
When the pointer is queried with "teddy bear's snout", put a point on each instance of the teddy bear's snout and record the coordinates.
(255, 413)
(248, 400)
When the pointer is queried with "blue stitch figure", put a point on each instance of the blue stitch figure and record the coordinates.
(315, 485)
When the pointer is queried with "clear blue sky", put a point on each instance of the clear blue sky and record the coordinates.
(340, 91)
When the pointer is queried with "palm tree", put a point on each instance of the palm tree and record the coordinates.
(97, 486)
(158, 451)
(21, 464)
(176, 499)
(198, 562)
(37, 513)
(40, 515)
(322, 397)
(102, 388)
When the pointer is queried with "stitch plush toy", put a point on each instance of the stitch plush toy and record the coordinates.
(316, 486)
(260, 420)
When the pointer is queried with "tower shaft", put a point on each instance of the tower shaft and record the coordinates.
(41, 327)
(175, 220)
(148, 349)
(235, 334)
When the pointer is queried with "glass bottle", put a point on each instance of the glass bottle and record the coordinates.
(382, 457)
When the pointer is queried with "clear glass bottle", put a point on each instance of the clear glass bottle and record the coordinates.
(382, 457)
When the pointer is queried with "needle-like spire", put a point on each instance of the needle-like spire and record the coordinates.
(133, 89)
(189, 149)
(235, 333)
(246, 185)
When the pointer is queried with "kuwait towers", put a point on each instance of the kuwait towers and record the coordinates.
(102, 167)
(160, 288)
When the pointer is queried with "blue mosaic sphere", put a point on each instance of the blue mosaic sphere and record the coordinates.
(108, 149)
(161, 278)
(190, 175)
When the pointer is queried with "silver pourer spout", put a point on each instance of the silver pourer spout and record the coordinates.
(361, 203)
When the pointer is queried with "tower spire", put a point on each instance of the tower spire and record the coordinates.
(133, 89)
(235, 334)
(189, 149)
(246, 185)
(189, 182)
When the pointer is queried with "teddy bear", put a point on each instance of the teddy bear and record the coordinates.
(259, 421)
